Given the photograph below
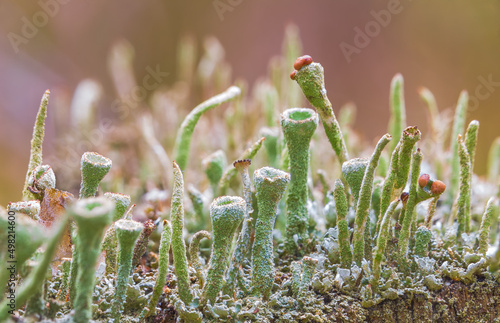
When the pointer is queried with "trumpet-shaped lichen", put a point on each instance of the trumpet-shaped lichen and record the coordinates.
(298, 127)
(92, 216)
(94, 167)
(127, 232)
(270, 185)
(226, 213)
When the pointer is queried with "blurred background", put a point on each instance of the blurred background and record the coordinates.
(446, 46)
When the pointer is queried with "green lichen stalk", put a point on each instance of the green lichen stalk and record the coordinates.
(311, 80)
(230, 171)
(364, 201)
(410, 137)
(127, 232)
(382, 237)
(178, 246)
(185, 132)
(353, 171)
(484, 230)
(93, 167)
(463, 203)
(33, 283)
(243, 242)
(458, 128)
(142, 242)
(226, 213)
(398, 111)
(343, 227)
(298, 126)
(404, 236)
(91, 216)
(161, 275)
(471, 141)
(110, 243)
(387, 188)
(270, 184)
(194, 247)
(36, 145)
(214, 165)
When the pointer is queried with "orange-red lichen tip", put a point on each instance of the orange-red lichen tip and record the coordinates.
(438, 187)
(301, 61)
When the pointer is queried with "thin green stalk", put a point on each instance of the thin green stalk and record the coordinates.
(404, 236)
(110, 243)
(35, 279)
(226, 213)
(341, 207)
(270, 184)
(363, 205)
(409, 138)
(471, 141)
(432, 111)
(387, 188)
(463, 203)
(36, 145)
(142, 242)
(230, 171)
(178, 246)
(398, 111)
(91, 215)
(243, 242)
(185, 132)
(484, 231)
(298, 126)
(198, 203)
(311, 79)
(127, 232)
(458, 128)
(382, 237)
(161, 274)
(194, 247)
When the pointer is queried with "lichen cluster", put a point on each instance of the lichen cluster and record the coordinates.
(406, 232)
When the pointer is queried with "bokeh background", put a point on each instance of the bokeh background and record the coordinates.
(446, 46)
